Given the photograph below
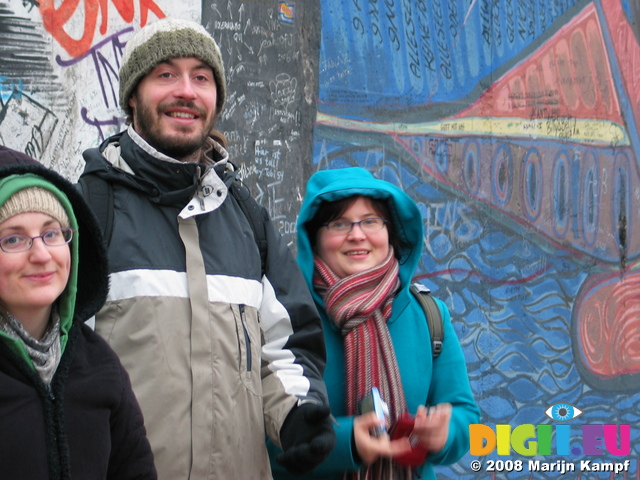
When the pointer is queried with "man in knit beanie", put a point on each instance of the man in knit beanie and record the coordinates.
(165, 40)
(207, 309)
(172, 86)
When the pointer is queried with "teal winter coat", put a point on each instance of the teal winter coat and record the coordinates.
(426, 381)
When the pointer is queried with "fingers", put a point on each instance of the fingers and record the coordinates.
(432, 426)
(441, 411)
(422, 412)
(368, 421)
(434, 416)
(371, 448)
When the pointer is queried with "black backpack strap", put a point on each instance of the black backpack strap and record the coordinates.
(99, 195)
(254, 215)
(432, 312)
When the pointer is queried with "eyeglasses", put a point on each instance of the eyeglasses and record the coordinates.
(368, 225)
(53, 237)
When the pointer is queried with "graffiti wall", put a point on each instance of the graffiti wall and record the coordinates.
(512, 123)
(270, 49)
(59, 64)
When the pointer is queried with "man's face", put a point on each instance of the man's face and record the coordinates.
(174, 106)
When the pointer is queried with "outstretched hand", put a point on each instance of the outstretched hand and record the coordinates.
(371, 448)
(432, 426)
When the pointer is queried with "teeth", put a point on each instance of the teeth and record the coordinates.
(181, 115)
(363, 252)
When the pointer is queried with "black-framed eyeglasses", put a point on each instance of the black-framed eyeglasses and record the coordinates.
(18, 242)
(342, 227)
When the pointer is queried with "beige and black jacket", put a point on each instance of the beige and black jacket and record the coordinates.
(217, 352)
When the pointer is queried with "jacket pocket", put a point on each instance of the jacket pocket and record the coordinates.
(249, 347)
(247, 338)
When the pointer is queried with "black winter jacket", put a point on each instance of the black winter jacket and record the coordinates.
(87, 424)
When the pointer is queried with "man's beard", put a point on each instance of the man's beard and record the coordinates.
(147, 125)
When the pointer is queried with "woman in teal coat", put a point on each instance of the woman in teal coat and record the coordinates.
(359, 243)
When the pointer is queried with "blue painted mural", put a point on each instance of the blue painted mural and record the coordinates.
(514, 125)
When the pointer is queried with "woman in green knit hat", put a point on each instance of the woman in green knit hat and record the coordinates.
(67, 407)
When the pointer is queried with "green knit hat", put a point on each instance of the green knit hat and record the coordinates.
(163, 40)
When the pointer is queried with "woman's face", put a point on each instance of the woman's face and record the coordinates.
(356, 251)
(31, 281)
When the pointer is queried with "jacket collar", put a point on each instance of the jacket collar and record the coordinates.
(212, 153)
(127, 159)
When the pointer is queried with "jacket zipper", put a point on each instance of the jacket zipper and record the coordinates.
(49, 391)
(247, 340)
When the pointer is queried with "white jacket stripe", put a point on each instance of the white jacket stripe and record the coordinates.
(169, 283)
(276, 325)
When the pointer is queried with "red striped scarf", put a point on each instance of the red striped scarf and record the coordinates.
(360, 305)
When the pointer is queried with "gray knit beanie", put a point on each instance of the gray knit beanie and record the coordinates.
(34, 199)
(162, 40)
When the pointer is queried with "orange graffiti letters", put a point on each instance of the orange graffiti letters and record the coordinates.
(54, 19)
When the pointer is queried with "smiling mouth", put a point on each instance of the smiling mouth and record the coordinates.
(41, 276)
(182, 115)
(359, 252)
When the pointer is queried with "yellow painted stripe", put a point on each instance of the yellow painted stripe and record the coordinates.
(589, 131)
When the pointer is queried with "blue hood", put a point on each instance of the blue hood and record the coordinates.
(332, 185)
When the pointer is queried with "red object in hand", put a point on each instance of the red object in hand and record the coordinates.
(403, 427)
